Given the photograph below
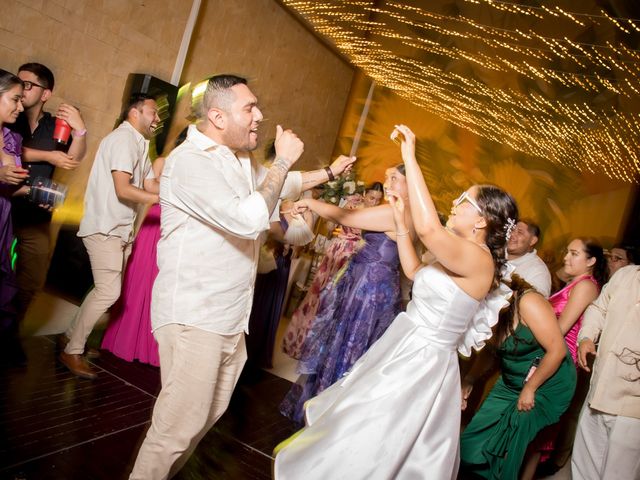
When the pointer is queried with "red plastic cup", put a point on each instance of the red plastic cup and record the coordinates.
(62, 131)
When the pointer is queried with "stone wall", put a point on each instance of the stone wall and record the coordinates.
(92, 45)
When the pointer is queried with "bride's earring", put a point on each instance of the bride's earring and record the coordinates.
(474, 230)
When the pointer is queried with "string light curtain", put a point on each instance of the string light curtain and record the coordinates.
(557, 82)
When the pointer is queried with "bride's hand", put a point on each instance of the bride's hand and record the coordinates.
(299, 207)
(406, 138)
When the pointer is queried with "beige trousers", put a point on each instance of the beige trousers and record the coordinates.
(607, 447)
(108, 256)
(199, 371)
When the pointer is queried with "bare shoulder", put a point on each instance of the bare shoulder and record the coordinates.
(586, 288)
(533, 301)
(534, 308)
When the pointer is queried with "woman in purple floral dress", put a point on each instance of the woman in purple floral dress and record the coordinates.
(358, 305)
(338, 252)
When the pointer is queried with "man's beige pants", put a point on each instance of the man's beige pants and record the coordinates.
(607, 447)
(199, 371)
(108, 256)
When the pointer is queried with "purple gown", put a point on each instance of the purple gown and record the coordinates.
(8, 285)
(265, 314)
(355, 310)
(268, 300)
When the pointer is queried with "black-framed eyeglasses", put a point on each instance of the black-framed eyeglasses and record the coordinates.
(29, 85)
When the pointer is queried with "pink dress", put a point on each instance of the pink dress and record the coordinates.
(558, 301)
(128, 334)
(339, 251)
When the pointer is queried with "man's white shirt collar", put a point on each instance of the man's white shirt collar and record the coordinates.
(199, 139)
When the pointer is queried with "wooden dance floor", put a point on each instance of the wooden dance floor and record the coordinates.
(56, 426)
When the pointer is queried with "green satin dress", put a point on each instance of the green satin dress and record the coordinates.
(494, 444)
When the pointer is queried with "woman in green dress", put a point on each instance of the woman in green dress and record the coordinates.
(535, 387)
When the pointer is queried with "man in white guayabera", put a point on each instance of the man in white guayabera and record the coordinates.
(216, 200)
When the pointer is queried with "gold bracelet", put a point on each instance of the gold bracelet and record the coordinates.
(398, 234)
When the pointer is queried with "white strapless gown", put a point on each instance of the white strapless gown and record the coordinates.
(396, 414)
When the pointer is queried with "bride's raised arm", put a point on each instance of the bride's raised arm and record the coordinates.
(457, 251)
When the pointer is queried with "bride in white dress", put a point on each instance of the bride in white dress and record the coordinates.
(396, 414)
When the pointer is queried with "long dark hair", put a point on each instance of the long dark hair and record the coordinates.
(500, 212)
(505, 326)
(593, 249)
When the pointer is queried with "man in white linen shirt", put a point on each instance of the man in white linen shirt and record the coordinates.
(216, 200)
(120, 179)
(523, 256)
(607, 443)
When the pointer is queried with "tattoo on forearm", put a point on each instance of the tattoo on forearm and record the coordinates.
(314, 177)
(272, 184)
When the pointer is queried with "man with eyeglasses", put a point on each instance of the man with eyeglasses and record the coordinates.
(620, 256)
(522, 254)
(30, 222)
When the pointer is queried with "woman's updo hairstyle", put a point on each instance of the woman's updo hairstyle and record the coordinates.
(500, 211)
(593, 249)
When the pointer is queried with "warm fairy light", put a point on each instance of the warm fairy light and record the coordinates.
(584, 124)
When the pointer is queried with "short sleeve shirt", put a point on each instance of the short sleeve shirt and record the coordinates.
(125, 150)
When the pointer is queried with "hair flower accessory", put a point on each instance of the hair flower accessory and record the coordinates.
(508, 228)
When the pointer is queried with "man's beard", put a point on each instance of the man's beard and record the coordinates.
(240, 141)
